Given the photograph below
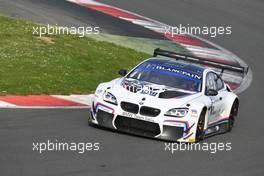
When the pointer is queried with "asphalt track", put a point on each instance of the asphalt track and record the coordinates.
(129, 155)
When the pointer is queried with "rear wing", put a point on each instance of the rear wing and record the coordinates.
(200, 60)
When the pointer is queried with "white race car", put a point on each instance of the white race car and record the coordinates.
(172, 97)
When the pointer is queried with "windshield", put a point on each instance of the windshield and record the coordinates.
(169, 75)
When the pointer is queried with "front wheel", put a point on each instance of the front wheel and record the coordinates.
(232, 116)
(90, 123)
(200, 127)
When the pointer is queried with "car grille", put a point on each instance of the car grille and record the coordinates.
(138, 127)
(148, 111)
(130, 107)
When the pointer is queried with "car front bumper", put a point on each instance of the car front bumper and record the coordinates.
(161, 127)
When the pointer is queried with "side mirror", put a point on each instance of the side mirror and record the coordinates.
(211, 92)
(122, 72)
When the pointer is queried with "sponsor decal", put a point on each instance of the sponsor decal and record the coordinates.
(140, 87)
(178, 71)
(135, 116)
(171, 70)
(149, 92)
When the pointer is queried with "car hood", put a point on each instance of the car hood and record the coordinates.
(132, 90)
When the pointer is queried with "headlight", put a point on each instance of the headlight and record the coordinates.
(110, 98)
(177, 112)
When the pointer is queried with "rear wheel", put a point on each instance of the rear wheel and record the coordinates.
(232, 116)
(200, 127)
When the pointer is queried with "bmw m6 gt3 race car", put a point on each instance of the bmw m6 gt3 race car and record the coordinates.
(170, 96)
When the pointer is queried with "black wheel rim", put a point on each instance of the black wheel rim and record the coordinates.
(200, 129)
(232, 116)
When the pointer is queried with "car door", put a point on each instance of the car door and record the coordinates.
(216, 101)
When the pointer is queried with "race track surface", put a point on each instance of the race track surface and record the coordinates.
(122, 154)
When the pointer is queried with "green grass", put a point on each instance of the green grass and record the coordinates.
(145, 45)
(68, 65)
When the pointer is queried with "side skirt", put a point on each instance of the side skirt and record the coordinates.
(217, 128)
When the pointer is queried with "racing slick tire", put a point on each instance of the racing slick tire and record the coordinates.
(200, 127)
(232, 116)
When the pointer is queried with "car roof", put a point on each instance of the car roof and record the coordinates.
(178, 63)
